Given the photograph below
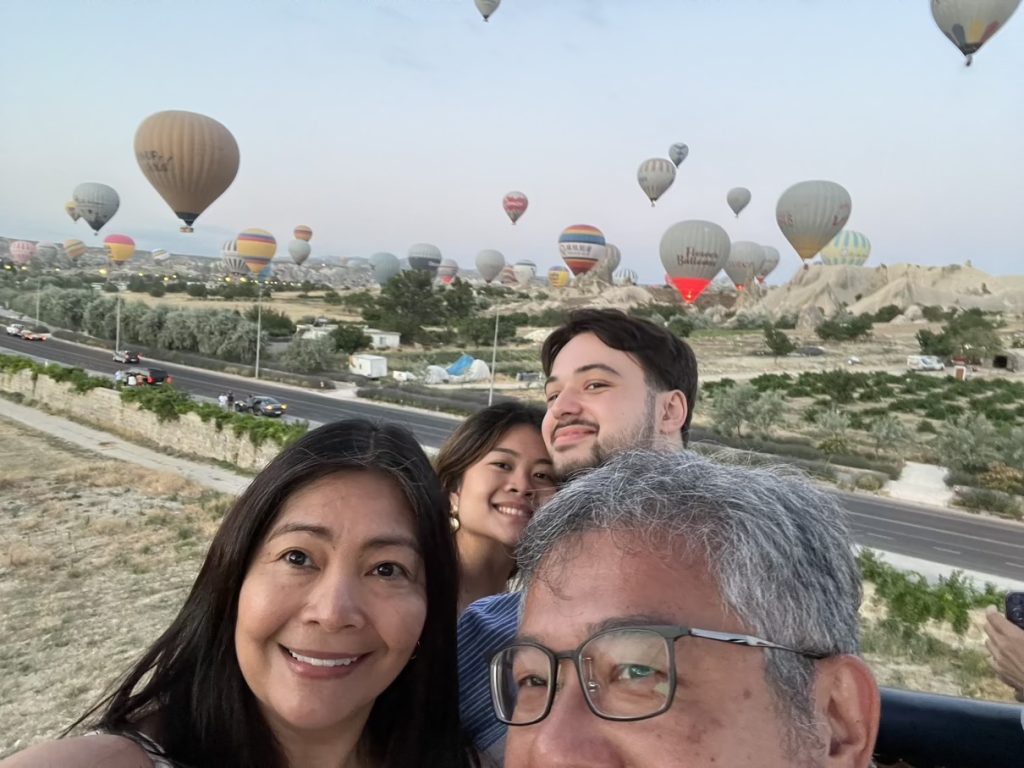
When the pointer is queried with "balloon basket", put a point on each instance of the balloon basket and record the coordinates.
(186, 229)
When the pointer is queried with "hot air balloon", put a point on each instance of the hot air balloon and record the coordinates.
(608, 261)
(738, 198)
(970, 23)
(446, 271)
(810, 213)
(558, 277)
(515, 204)
(848, 248)
(487, 7)
(96, 203)
(234, 264)
(22, 251)
(424, 257)
(489, 264)
(745, 259)
(625, 277)
(302, 232)
(46, 250)
(299, 250)
(160, 255)
(524, 271)
(189, 159)
(677, 153)
(771, 261)
(693, 252)
(119, 248)
(74, 249)
(508, 276)
(655, 176)
(256, 247)
(71, 210)
(580, 247)
(385, 266)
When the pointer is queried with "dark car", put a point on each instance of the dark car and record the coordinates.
(126, 356)
(148, 376)
(261, 405)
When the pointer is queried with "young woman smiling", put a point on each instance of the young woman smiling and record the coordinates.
(319, 632)
(496, 471)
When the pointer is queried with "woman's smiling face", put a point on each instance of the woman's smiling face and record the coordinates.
(333, 603)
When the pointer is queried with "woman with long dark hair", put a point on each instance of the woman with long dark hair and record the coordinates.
(496, 471)
(320, 630)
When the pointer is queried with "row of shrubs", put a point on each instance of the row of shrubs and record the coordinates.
(166, 402)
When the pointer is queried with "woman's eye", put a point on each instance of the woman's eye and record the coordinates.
(297, 558)
(390, 571)
(501, 465)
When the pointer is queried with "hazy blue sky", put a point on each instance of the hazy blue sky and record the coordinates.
(381, 123)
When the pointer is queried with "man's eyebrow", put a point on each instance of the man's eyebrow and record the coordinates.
(586, 369)
(614, 622)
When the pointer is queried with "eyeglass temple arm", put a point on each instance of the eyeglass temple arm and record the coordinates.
(755, 642)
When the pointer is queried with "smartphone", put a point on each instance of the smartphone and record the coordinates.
(1015, 608)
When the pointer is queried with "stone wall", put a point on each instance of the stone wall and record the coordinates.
(103, 409)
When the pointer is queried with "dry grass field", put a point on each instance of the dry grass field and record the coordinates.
(95, 559)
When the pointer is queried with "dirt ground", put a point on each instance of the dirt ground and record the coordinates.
(96, 557)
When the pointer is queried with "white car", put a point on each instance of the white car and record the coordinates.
(15, 329)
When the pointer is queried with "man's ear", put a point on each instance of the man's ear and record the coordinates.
(848, 701)
(672, 413)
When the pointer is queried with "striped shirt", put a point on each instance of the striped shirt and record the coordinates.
(484, 628)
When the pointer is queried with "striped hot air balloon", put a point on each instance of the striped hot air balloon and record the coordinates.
(256, 247)
(303, 232)
(559, 276)
(119, 248)
(848, 248)
(22, 251)
(74, 248)
(515, 204)
(625, 277)
(655, 176)
(524, 271)
(580, 246)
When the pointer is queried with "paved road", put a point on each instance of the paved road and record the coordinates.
(973, 543)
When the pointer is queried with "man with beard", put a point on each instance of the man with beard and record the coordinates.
(614, 382)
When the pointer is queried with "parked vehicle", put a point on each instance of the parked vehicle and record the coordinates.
(924, 363)
(261, 405)
(149, 376)
(126, 356)
(30, 335)
(15, 329)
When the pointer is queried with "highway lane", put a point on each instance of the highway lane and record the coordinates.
(973, 543)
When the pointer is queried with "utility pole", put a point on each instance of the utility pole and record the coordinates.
(494, 356)
(259, 323)
(117, 315)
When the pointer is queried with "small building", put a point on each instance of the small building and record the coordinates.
(383, 339)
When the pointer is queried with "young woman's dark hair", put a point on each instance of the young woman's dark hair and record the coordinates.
(668, 362)
(477, 435)
(191, 695)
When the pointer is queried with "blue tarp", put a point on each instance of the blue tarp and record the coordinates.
(460, 366)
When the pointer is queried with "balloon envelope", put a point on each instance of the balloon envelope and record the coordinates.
(693, 252)
(810, 213)
(447, 270)
(489, 264)
(160, 255)
(299, 250)
(385, 266)
(71, 210)
(677, 153)
(515, 205)
(524, 272)
(487, 7)
(424, 257)
(738, 198)
(655, 176)
(970, 23)
(96, 203)
(745, 259)
(625, 277)
(190, 159)
(74, 248)
(770, 262)
(580, 247)
(119, 248)
(234, 264)
(848, 248)
(22, 251)
(558, 277)
(302, 232)
(256, 247)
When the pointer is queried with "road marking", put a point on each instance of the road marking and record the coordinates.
(950, 551)
(879, 535)
(933, 529)
(1014, 565)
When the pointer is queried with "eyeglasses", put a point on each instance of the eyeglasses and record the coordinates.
(626, 673)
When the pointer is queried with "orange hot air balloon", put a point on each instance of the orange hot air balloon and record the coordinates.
(189, 159)
(256, 247)
(119, 248)
(74, 248)
(302, 232)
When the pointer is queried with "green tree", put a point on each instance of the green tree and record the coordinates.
(310, 355)
(767, 412)
(834, 425)
(459, 301)
(349, 338)
(969, 443)
(405, 302)
(887, 430)
(733, 407)
(778, 343)
(845, 327)
(969, 333)
(274, 322)
(681, 326)
(479, 331)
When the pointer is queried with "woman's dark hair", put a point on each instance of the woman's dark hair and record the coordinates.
(477, 436)
(203, 712)
(668, 362)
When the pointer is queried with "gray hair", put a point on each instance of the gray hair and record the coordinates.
(776, 547)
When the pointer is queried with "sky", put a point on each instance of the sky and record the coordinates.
(382, 123)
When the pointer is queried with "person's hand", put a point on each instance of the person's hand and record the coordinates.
(1006, 645)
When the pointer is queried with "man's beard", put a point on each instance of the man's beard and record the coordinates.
(644, 435)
